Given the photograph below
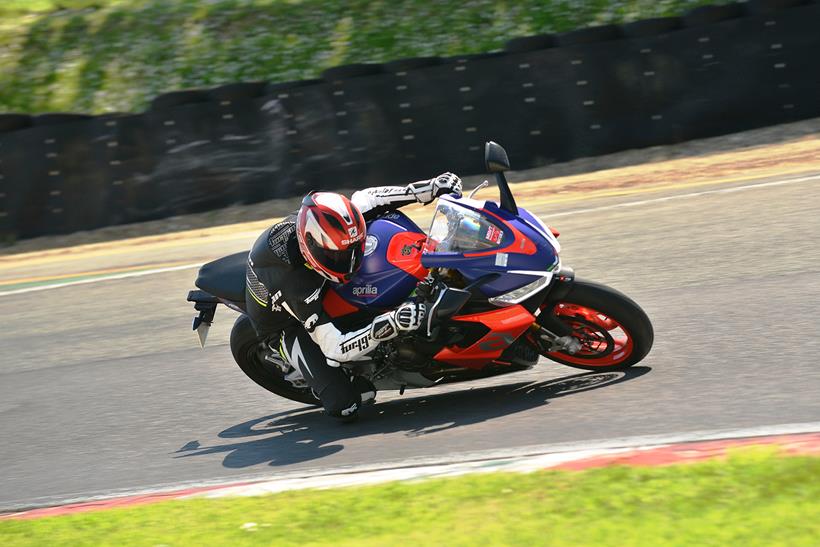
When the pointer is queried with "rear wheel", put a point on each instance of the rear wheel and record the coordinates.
(249, 354)
(614, 332)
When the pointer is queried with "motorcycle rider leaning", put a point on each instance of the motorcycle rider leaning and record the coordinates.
(288, 271)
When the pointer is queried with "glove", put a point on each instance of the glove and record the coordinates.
(407, 317)
(410, 315)
(426, 191)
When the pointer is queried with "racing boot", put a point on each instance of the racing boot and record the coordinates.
(367, 396)
(366, 388)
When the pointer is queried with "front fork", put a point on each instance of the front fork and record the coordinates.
(550, 333)
(548, 341)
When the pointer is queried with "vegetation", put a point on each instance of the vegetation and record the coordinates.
(755, 498)
(115, 55)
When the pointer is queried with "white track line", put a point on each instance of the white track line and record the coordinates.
(552, 215)
(99, 279)
(689, 195)
(514, 459)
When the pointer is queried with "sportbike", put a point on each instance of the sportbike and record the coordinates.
(498, 298)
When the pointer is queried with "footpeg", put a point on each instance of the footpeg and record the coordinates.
(296, 379)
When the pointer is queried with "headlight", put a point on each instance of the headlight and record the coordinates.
(521, 294)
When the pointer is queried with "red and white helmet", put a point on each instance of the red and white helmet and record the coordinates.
(331, 233)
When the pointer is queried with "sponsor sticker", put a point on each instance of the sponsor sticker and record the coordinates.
(314, 296)
(274, 306)
(311, 322)
(370, 244)
(352, 239)
(360, 343)
(494, 234)
(383, 332)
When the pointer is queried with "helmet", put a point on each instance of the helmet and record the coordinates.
(331, 233)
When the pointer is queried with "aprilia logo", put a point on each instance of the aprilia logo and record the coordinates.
(367, 290)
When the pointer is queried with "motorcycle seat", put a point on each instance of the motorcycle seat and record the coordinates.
(225, 277)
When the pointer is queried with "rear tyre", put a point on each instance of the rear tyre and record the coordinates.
(615, 333)
(249, 353)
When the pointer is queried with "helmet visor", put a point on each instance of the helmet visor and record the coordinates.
(343, 262)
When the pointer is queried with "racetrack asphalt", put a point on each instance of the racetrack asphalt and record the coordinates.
(103, 387)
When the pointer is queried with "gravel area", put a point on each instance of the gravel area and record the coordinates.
(780, 134)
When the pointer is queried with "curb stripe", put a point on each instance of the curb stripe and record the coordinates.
(801, 438)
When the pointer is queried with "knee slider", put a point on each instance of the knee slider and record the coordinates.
(341, 401)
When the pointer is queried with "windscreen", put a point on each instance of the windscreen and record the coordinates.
(458, 229)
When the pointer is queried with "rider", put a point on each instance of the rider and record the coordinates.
(288, 271)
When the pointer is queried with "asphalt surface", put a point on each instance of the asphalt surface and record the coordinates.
(103, 387)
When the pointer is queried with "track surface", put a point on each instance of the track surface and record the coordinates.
(103, 386)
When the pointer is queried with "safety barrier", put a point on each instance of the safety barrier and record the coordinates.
(547, 98)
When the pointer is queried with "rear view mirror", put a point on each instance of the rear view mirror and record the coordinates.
(496, 158)
(497, 162)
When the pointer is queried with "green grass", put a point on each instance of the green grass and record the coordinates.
(115, 55)
(756, 498)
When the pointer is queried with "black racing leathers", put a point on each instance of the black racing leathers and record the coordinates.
(284, 300)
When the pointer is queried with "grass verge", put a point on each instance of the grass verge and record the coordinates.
(115, 55)
(756, 497)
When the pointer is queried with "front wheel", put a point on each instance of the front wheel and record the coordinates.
(249, 355)
(614, 332)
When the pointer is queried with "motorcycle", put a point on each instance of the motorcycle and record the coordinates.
(497, 294)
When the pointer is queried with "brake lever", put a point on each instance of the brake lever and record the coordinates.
(484, 184)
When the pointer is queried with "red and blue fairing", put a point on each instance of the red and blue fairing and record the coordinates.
(398, 254)
(475, 238)
(489, 239)
(391, 267)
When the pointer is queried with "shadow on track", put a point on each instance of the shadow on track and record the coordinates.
(305, 434)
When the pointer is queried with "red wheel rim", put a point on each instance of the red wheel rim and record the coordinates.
(604, 341)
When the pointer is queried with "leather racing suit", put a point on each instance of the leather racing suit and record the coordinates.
(284, 301)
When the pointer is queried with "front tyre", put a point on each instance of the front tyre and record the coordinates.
(614, 332)
(249, 354)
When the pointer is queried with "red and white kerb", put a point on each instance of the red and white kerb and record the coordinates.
(331, 234)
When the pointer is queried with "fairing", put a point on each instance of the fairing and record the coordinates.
(398, 255)
(504, 326)
(525, 251)
(391, 267)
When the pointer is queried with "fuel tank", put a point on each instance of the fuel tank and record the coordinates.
(391, 267)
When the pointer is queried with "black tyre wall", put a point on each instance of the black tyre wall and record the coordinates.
(706, 15)
(725, 69)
